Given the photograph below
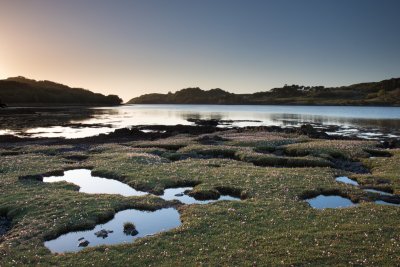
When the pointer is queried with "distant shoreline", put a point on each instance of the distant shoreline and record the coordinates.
(383, 93)
(280, 104)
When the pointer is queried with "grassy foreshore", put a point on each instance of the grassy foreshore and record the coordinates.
(272, 225)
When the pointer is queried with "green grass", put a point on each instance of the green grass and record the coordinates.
(385, 172)
(271, 226)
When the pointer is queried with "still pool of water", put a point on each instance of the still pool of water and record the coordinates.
(94, 185)
(378, 192)
(329, 202)
(146, 222)
(346, 180)
(178, 194)
(367, 122)
(98, 185)
(381, 202)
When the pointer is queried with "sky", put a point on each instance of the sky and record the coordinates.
(134, 47)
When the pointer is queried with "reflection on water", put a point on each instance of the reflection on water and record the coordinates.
(146, 223)
(178, 194)
(94, 185)
(329, 202)
(380, 192)
(346, 180)
(381, 202)
(371, 120)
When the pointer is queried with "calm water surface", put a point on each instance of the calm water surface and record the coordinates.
(369, 122)
(178, 194)
(146, 222)
(94, 185)
(97, 185)
(346, 180)
(330, 202)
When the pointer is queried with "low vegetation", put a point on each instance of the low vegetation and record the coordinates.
(272, 225)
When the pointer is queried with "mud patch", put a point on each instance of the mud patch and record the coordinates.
(350, 166)
(378, 153)
(5, 226)
(76, 157)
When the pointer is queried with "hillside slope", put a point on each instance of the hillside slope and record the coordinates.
(22, 91)
(383, 93)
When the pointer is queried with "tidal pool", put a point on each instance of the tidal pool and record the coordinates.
(94, 185)
(98, 185)
(378, 192)
(330, 202)
(179, 194)
(346, 180)
(111, 233)
(381, 202)
(146, 222)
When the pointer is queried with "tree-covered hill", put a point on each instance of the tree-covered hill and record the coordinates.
(22, 91)
(384, 93)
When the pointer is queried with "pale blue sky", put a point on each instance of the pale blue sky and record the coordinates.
(134, 47)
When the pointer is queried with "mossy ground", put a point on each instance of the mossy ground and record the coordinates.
(270, 226)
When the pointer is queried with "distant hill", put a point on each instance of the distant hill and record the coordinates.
(25, 92)
(383, 93)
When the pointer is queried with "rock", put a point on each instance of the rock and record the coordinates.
(310, 131)
(130, 229)
(84, 243)
(132, 232)
(102, 233)
(179, 195)
(351, 166)
(210, 122)
(391, 143)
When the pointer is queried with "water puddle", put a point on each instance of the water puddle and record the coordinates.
(346, 180)
(146, 223)
(127, 225)
(98, 185)
(378, 192)
(381, 202)
(330, 202)
(94, 185)
(179, 194)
